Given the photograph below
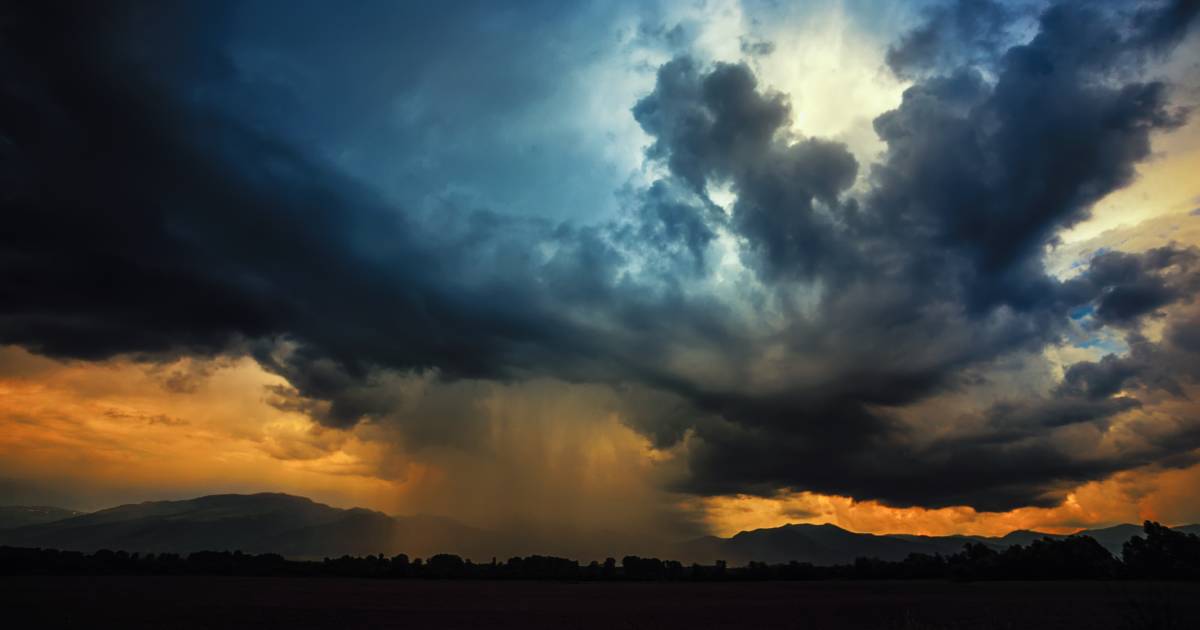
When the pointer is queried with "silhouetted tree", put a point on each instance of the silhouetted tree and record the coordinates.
(1162, 554)
(643, 568)
(444, 565)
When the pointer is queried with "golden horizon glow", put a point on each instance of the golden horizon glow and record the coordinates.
(115, 429)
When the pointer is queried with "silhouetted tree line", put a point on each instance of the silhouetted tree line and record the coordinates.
(1162, 554)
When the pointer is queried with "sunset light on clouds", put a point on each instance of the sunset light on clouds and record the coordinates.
(629, 269)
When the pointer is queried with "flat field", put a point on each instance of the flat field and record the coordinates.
(228, 602)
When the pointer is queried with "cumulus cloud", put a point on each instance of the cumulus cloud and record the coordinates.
(967, 32)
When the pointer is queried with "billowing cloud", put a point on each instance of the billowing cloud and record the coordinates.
(763, 319)
(968, 32)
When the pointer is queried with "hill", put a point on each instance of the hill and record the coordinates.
(21, 515)
(258, 523)
(829, 544)
(298, 527)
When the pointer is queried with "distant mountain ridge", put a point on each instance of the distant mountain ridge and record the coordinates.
(298, 527)
(829, 544)
(257, 523)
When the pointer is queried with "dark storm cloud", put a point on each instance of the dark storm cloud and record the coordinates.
(144, 216)
(141, 223)
(1160, 28)
(989, 173)
(953, 34)
(1153, 366)
(1129, 286)
(678, 225)
(717, 127)
(708, 123)
(939, 267)
(1030, 417)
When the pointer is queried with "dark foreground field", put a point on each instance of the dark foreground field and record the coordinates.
(220, 602)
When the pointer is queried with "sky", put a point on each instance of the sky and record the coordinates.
(656, 269)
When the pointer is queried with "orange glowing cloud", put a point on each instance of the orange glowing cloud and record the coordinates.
(185, 428)
(125, 431)
(1130, 497)
(545, 454)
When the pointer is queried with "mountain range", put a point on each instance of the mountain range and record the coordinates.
(829, 544)
(256, 523)
(301, 528)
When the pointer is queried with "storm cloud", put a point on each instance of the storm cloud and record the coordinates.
(787, 336)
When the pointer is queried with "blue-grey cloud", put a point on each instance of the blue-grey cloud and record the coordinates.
(954, 34)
